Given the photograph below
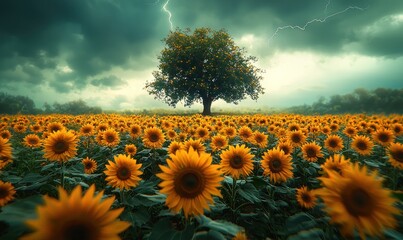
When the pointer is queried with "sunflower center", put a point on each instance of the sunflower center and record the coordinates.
(88, 165)
(306, 197)
(3, 192)
(275, 165)
(259, 139)
(236, 162)
(310, 152)
(189, 183)
(76, 230)
(383, 137)
(154, 137)
(357, 202)
(60, 147)
(333, 143)
(362, 145)
(296, 138)
(397, 155)
(123, 173)
(32, 141)
(110, 138)
(219, 143)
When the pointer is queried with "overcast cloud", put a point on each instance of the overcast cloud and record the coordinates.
(103, 51)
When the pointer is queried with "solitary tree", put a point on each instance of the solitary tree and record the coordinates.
(204, 66)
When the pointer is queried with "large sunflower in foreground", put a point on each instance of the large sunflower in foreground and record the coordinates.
(362, 144)
(123, 173)
(153, 138)
(7, 192)
(76, 217)
(395, 154)
(60, 146)
(306, 198)
(237, 161)
(190, 181)
(277, 165)
(357, 200)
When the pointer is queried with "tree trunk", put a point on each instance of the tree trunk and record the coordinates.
(207, 106)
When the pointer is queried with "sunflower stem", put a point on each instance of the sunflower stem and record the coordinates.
(233, 193)
(62, 174)
(122, 196)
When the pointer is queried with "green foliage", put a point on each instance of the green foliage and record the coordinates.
(204, 66)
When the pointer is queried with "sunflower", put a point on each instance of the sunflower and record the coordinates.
(5, 148)
(197, 145)
(171, 134)
(6, 193)
(190, 181)
(357, 200)
(123, 173)
(230, 132)
(90, 165)
(218, 142)
(296, 138)
(77, 217)
(102, 127)
(245, 133)
(350, 131)
(32, 140)
(135, 131)
(36, 128)
(311, 152)
(306, 198)
(237, 161)
(87, 130)
(334, 143)
(395, 154)
(110, 137)
(277, 164)
(60, 146)
(130, 149)
(397, 129)
(362, 144)
(286, 147)
(174, 146)
(153, 138)
(5, 134)
(55, 126)
(202, 133)
(20, 128)
(259, 139)
(383, 137)
(336, 163)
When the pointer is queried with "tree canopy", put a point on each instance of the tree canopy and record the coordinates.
(204, 66)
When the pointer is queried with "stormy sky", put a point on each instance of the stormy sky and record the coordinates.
(103, 51)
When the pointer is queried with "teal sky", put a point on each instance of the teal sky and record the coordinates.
(103, 51)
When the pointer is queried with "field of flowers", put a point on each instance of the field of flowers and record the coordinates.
(197, 177)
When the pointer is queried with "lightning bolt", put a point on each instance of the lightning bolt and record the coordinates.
(164, 7)
(302, 28)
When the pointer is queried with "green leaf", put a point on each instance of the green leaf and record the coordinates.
(220, 225)
(48, 166)
(249, 193)
(371, 163)
(392, 234)
(164, 230)
(16, 213)
(33, 178)
(298, 222)
(211, 235)
(314, 233)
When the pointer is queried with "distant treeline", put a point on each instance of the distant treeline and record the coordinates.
(10, 104)
(380, 100)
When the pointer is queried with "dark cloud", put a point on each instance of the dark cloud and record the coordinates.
(91, 37)
(110, 81)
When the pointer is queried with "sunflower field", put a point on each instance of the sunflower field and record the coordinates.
(201, 177)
